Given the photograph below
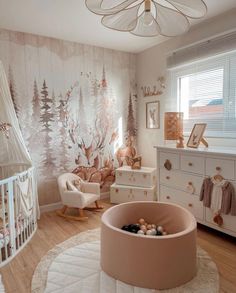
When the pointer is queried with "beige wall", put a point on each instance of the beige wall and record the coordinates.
(151, 64)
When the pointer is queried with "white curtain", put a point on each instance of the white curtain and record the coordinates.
(14, 156)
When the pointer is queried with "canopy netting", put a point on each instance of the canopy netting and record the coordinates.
(14, 156)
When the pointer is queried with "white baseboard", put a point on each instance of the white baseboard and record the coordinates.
(51, 207)
(58, 205)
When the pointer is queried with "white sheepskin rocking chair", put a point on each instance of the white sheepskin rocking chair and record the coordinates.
(76, 193)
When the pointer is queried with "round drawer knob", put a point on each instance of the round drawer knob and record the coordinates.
(168, 197)
(167, 177)
(190, 205)
(190, 164)
(168, 165)
(190, 183)
(218, 168)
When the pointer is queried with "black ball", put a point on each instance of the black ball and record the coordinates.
(134, 231)
(134, 227)
(125, 228)
(159, 233)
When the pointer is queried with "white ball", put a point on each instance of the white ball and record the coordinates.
(154, 232)
(143, 228)
(160, 229)
(149, 232)
(140, 232)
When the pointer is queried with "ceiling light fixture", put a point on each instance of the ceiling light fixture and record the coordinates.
(148, 18)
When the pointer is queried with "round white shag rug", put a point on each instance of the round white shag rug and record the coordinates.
(74, 267)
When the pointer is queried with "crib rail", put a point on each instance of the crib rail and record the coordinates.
(16, 229)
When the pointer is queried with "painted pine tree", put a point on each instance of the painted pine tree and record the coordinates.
(62, 114)
(46, 116)
(34, 138)
(103, 103)
(82, 116)
(46, 119)
(36, 102)
(95, 87)
(12, 88)
(131, 124)
(104, 119)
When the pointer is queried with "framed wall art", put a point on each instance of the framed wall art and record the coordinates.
(153, 115)
(196, 135)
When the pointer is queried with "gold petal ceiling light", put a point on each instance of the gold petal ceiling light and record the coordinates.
(148, 18)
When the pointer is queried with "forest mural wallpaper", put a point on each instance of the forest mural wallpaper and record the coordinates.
(76, 105)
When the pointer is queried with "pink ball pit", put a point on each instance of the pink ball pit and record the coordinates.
(153, 262)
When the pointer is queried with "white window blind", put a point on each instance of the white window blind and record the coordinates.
(206, 92)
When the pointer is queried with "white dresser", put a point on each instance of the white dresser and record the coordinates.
(180, 173)
(133, 185)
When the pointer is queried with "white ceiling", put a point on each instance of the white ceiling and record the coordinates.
(70, 20)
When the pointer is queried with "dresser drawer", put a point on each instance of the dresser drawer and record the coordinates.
(192, 164)
(229, 222)
(226, 167)
(122, 193)
(171, 157)
(188, 201)
(187, 182)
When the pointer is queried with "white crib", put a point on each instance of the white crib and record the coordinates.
(16, 230)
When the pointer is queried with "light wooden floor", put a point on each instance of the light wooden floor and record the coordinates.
(52, 230)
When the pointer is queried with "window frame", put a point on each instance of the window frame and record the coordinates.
(227, 61)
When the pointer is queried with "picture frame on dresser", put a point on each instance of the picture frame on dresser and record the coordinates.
(196, 135)
(153, 115)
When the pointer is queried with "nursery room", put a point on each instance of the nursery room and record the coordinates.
(118, 146)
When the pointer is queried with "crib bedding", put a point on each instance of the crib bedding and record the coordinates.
(5, 233)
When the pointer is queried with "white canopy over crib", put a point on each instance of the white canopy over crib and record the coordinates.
(18, 188)
(14, 156)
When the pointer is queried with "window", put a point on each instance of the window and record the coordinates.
(206, 93)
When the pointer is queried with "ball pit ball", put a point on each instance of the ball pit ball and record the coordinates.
(125, 228)
(154, 231)
(149, 232)
(144, 228)
(160, 229)
(140, 232)
(141, 221)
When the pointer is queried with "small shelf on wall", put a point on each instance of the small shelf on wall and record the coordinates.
(155, 90)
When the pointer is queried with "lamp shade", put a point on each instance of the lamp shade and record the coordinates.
(148, 18)
(173, 126)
